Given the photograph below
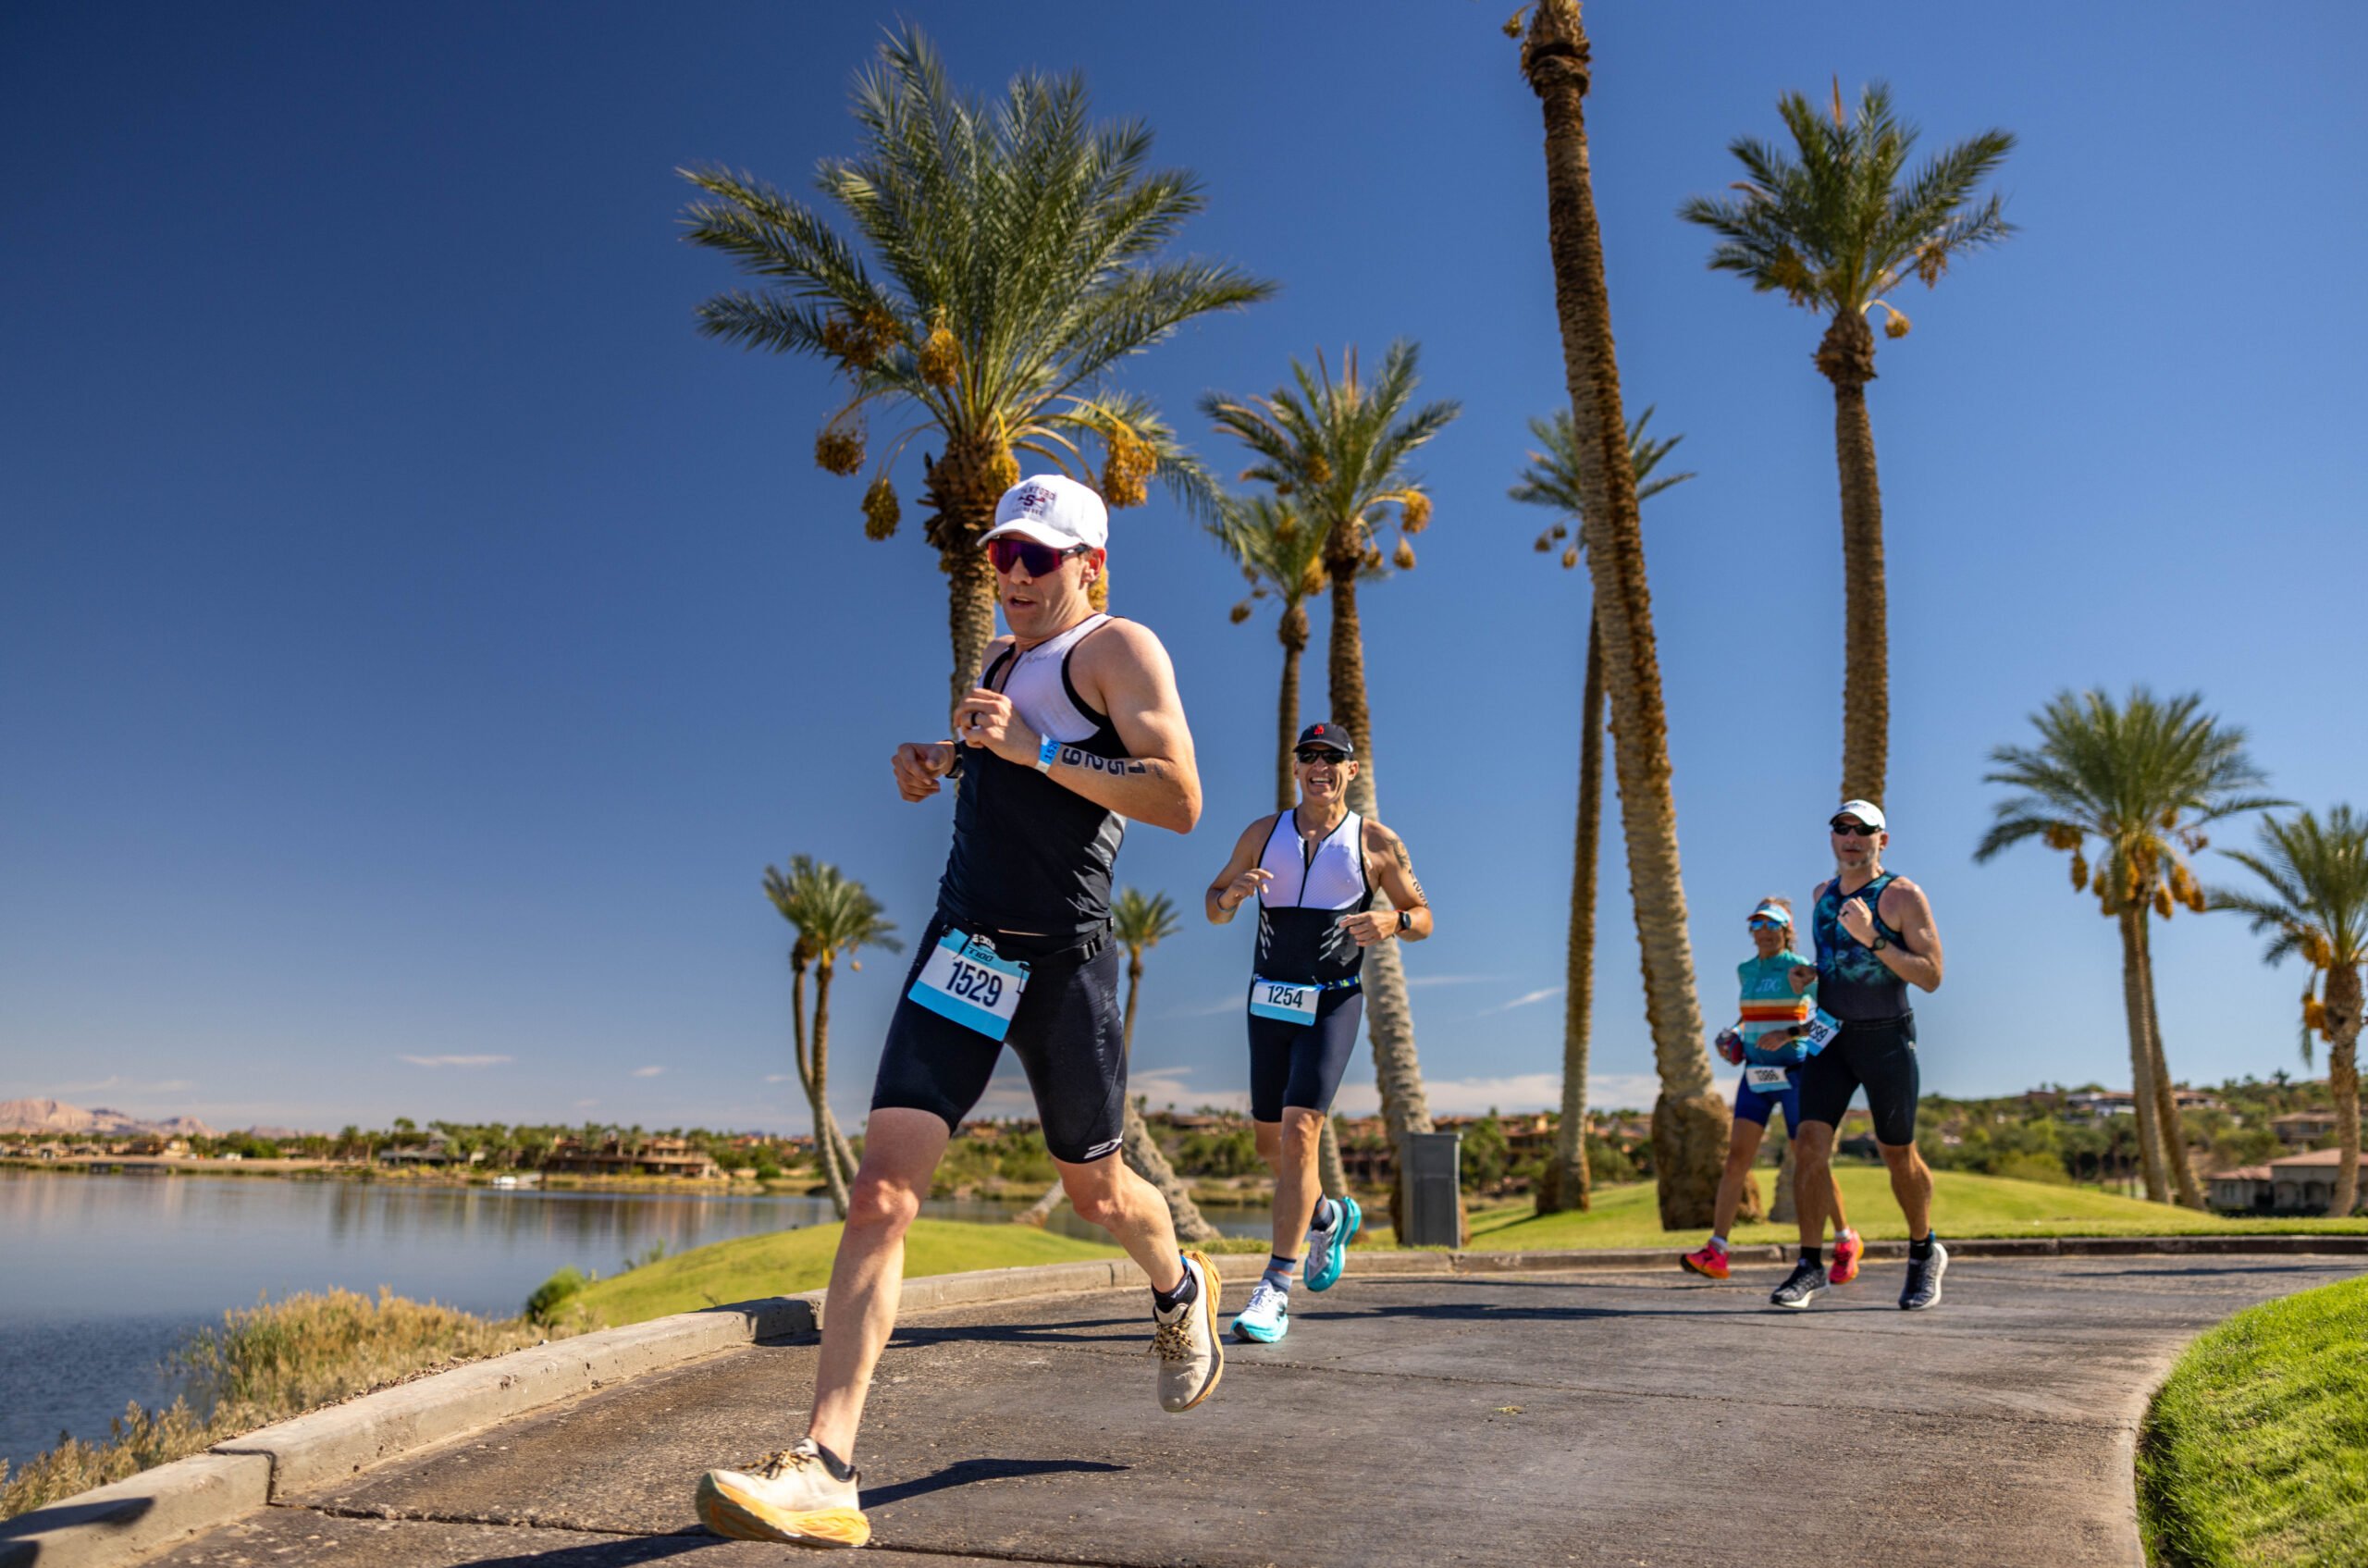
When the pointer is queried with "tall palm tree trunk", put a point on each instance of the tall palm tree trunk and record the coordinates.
(1389, 1016)
(2342, 1002)
(1690, 1121)
(1330, 1174)
(962, 491)
(1571, 1187)
(1847, 358)
(833, 1174)
(2141, 1056)
(2177, 1168)
(1142, 1151)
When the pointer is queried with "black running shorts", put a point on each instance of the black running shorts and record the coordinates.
(1880, 1056)
(1300, 1063)
(1067, 1033)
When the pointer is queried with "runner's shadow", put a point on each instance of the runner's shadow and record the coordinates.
(970, 1472)
(618, 1552)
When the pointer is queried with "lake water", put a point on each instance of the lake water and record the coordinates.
(101, 1276)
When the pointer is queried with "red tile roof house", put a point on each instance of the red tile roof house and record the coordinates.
(2294, 1184)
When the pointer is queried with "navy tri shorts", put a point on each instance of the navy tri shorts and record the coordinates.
(1301, 1064)
(1753, 1104)
(1068, 1035)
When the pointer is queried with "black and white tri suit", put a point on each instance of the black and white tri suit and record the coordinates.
(1030, 870)
(1301, 944)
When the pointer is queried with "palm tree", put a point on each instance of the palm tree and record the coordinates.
(1282, 558)
(2142, 778)
(833, 916)
(2317, 906)
(1016, 248)
(1552, 480)
(1690, 1120)
(1338, 450)
(1834, 228)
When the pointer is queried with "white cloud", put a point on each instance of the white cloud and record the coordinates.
(777, 1078)
(647, 1072)
(1415, 982)
(586, 1104)
(457, 1061)
(1523, 1000)
(115, 1083)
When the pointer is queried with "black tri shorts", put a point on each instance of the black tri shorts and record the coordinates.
(1880, 1056)
(1300, 1063)
(1068, 1035)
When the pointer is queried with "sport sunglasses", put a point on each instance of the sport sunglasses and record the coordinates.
(1853, 830)
(1041, 561)
(1319, 753)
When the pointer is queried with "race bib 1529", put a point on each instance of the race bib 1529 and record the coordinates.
(1281, 999)
(967, 980)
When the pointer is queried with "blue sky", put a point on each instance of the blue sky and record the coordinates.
(415, 641)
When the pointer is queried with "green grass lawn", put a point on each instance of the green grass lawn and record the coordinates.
(2256, 1450)
(786, 1261)
(1963, 1204)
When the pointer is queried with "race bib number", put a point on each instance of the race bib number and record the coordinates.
(1767, 1081)
(1279, 999)
(967, 980)
(1821, 1030)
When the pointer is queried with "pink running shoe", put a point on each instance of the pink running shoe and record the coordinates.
(1848, 1248)
(1711, 1263)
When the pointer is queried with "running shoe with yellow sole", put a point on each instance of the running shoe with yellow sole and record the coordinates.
(1708, 1262)
(1848, 1248)
(788, 1496)
(1192, 1357)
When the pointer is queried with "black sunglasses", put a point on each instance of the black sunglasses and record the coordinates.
(1853, 830)
(1041, 561)
(1319, 753)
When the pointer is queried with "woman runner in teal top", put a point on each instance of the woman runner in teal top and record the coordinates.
(1767, 1044)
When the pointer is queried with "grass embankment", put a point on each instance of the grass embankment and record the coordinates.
(267, 1364)
(786, 1261)
(2256, 1449)
(1963, 1204)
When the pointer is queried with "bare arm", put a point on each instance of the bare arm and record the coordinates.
(1125, 671)
(1242, 877)
(1393, 870)
(1908, 912)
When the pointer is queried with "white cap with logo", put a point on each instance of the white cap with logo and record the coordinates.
(1867, 811)
(1052, 509)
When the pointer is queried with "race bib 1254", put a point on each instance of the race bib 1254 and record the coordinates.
(1283, 1000)
(967, 980)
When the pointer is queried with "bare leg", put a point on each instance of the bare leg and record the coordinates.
(1106, 1192)
(1911, 1183)
(900, 1148)
(1813, 1179)
(1743, 1147)
(1841, 1218)
(1290, 1147)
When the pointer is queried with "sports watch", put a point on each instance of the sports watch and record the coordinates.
(1405, 920)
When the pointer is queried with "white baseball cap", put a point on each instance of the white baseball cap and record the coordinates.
(1866, 812)
(1052, 510)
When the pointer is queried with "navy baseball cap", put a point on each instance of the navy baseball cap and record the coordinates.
(1326, 734)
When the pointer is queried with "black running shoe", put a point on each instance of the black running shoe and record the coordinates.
(1923, 1288)
(1805, 1285)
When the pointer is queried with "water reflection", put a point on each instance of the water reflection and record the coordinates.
(115, 1266)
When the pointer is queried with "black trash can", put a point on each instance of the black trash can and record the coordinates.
(1430, 1166)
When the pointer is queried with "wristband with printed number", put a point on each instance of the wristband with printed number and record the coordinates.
(1045, 753)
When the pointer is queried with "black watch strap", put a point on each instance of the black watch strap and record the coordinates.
(1405, 920)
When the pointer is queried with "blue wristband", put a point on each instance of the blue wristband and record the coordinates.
(1045, 753)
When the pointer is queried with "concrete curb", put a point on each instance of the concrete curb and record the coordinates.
(116, 1526)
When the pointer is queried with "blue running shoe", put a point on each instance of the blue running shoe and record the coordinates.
(1327, 1251)
(1267, 1317)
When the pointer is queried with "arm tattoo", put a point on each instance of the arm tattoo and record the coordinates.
(1076, 757)
(1396, 845)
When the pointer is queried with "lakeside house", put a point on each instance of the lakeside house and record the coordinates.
(2300, 1128)
(651, 1156)
(434, 1154)
(2295, 1184)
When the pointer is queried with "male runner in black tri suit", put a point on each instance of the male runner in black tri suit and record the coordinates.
(1074, 728)
(1875, 938)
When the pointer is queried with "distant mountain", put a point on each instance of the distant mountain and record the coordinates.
(56, 1116)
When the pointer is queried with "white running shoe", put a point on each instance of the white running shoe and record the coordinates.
(1267, 1317)
(788, 1496)
(1191, 1358)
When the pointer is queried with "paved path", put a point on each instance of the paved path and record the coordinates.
(1603, 1418)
